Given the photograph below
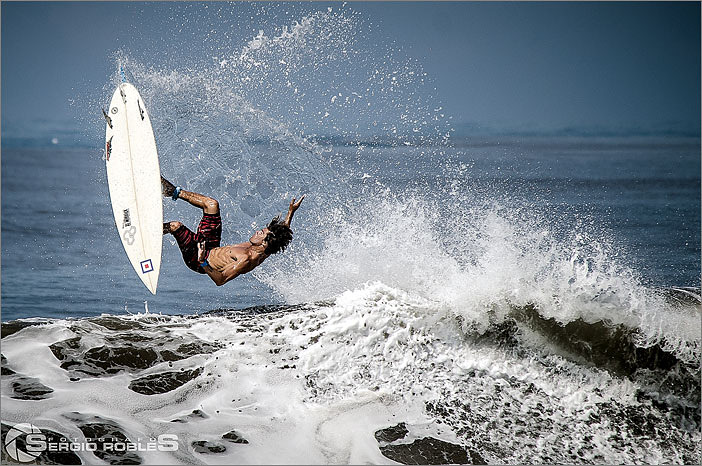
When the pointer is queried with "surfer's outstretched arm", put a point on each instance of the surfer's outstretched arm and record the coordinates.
(291, 210)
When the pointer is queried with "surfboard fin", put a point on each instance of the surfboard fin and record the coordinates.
(107, 118)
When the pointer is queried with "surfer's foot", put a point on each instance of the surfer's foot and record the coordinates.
(171, 227)
(167, 188)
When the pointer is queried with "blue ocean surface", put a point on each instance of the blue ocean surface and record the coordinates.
(62, 256)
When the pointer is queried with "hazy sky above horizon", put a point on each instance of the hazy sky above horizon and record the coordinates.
(546, 65)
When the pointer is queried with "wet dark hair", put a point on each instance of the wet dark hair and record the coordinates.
(279, 236)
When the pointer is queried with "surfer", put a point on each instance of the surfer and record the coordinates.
(202, 252)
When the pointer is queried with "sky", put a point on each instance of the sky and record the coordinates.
(494, 64)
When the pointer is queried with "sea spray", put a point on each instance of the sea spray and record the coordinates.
(251, 126)
(495, 259)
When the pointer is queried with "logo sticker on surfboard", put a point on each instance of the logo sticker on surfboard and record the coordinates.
(127, 219)
(146, 266)
(128, 235)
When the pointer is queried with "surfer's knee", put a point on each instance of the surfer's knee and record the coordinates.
(211, 206)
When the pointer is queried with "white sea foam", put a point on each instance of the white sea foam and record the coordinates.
(313, 385)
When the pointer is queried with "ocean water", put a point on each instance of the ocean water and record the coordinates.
(447, 298)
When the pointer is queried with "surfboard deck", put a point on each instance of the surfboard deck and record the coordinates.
(134, 179)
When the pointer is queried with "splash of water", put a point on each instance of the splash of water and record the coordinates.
(480, 264)
(249, 127)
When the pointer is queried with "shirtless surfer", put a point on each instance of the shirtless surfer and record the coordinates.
(201, 250)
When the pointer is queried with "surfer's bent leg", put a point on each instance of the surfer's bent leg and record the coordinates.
(210, 230)
(187, 242)
(207, 204)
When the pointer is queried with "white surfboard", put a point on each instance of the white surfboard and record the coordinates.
(134, 178)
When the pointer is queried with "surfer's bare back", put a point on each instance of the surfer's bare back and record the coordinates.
(202, 252)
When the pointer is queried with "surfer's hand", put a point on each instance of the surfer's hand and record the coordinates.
(201, 252)
(295, 205)
(291, 210)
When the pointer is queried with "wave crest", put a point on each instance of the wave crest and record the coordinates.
(480, 265)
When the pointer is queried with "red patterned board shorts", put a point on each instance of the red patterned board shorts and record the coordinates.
(209, 231)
